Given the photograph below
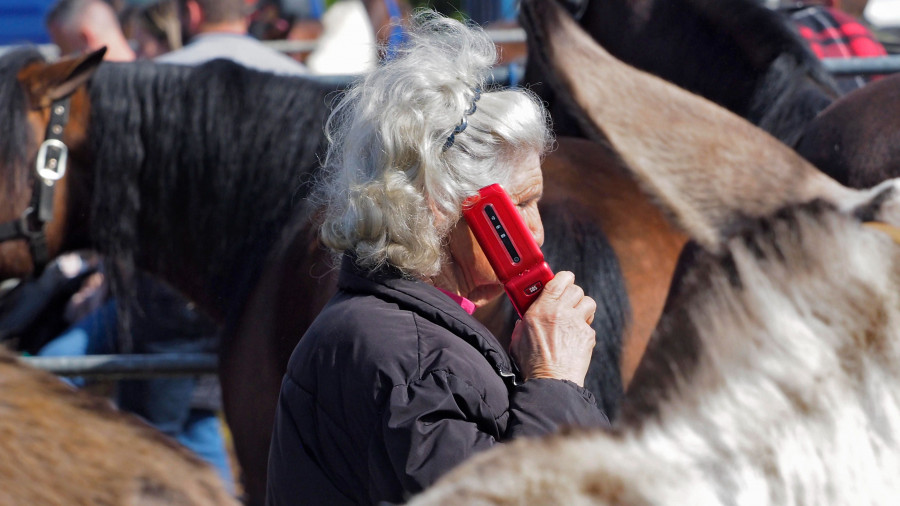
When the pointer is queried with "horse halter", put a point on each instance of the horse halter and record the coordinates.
(50, 168)
(891, 231)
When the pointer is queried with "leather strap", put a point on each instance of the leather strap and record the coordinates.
(50, 167)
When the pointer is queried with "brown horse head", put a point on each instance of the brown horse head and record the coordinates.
(39, 88)
(855, 139)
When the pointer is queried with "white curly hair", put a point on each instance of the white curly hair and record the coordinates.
(391, 191)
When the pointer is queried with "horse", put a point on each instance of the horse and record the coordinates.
(772, 375)
(198, 176)
(854, 140)
(105, 457)
(739, 54)
(789, 396)
(773, 78)
(651, 127)
(165, 174)
(770, 77)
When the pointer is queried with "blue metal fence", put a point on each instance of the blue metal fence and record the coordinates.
(22, 21)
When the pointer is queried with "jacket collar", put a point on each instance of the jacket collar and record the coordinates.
(429, 303)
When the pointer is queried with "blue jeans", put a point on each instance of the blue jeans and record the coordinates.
(92, 335)
(165, 403)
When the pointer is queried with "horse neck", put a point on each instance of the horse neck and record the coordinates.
(198, 194)
(669, 137)
(772, 79)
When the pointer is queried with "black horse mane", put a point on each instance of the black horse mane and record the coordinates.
(193, 160)
(580, 246)
(737, 53)
(15, 133)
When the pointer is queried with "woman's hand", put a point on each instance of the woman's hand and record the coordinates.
(554, 339)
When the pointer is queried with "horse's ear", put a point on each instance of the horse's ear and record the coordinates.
(46, 82)
(704, 166)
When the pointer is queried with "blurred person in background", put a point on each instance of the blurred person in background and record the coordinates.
(357, 34)
(153, 27)
(287, 19)
(388, 18)
(219, 29)
(293, 20)
(834, 29)
(86, 25)
(347, 44)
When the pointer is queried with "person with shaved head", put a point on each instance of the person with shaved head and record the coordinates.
(86, 25)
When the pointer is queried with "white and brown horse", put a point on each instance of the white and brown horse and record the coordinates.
(773, 375)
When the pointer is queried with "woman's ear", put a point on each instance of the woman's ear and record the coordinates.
(442, 222)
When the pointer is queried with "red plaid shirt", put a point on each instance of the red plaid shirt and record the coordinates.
(832, 33)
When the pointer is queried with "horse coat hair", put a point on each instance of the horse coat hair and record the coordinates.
(63, 446)
(791, 396)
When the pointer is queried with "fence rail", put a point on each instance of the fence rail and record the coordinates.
(876, 65)
(114, 367)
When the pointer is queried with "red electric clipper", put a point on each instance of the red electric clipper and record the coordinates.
(508, 244)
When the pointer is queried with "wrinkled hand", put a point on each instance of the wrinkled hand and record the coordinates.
(554, 339)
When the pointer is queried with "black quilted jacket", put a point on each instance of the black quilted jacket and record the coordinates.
(391, 387)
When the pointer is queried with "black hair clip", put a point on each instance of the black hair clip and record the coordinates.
(464, 122)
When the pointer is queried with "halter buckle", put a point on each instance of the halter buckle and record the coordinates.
(27, 224)
(51, 165)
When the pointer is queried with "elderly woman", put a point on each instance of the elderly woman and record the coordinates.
(395, 382)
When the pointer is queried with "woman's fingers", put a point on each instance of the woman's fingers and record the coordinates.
(556, 287)
(562, 288)
(571, 296)
(587, 307)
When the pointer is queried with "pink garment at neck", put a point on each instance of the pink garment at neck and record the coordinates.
(467, 305)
